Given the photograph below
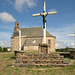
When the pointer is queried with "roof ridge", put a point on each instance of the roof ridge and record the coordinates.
(30, 27)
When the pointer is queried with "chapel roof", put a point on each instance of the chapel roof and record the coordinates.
(32, 32)
(33, 42)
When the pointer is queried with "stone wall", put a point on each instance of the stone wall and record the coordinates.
(51, 48)
(15, 44)
(52, 45)
(72, 54)
(25, 60)
(31, 48)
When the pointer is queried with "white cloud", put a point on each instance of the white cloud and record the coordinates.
(71, 45)
(60, 44)
(61, 33)
(5, 38)
(57, 45)
(22, 4)
(52, 10)
(6, 17)
(4, 44)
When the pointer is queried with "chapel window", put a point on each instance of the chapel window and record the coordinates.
(49, 41)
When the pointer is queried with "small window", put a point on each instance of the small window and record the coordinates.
(49, 42)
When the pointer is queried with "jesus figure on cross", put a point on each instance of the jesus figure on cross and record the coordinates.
(44, 14)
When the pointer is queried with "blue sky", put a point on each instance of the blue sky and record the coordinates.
(59, 25)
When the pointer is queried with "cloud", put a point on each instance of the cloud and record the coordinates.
(61, 34)
(5, 38)
(52, 10)
(4, 44)
(6, 17)
(57, 45)
(22, 4)
(71, 45)
(60, 44)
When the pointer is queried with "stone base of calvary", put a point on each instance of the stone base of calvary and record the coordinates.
(26, 60)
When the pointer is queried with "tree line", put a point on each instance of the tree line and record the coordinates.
(63, 49)
(3, 49)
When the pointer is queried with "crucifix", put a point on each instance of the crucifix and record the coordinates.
(44, 14)
(74, 38)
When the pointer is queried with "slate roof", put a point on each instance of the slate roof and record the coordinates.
(33, 42)
(15, 34)
(32, 32)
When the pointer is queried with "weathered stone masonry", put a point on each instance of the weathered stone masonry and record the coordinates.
(25, 60)
(31, 38)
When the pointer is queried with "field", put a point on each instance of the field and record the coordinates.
(8, 57)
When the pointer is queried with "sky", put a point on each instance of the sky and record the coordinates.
(59, 25)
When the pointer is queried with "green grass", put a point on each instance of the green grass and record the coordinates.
(61, 52)
(31, 52)
(8, 57)
(68, 58)
(36, 52)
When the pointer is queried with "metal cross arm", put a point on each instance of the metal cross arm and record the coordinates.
(44, 14)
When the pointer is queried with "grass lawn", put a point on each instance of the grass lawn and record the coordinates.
(8, 57)
(31, 52)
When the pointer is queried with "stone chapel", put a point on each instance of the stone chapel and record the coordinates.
(31, 38)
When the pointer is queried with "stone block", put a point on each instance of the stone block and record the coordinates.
(17, 64)
(65, 61)
(18, 61)
(59, 65)
(24, 65)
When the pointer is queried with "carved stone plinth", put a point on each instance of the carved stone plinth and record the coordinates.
(43, 49)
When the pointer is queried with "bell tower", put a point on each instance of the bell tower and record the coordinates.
(16, 28)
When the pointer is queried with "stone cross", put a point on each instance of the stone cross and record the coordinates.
(44, 14)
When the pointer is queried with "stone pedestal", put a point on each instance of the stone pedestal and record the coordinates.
(43, 49)
(42, 59)
(26, 60)
(19, 53)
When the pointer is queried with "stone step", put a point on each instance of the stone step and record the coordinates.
(60, 65)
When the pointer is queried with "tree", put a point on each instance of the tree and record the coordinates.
(4, 49)
(1, 50)
(66, 49)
